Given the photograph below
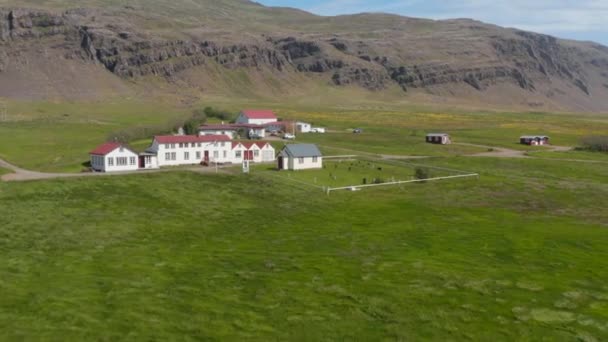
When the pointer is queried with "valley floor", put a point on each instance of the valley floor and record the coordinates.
(516, 254)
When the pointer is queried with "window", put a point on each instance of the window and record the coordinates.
(301, 160)
(315, 159)
(198, 155)
(122, 149)
(181, 145)
(256, 153)
(199, 145)
(172, 145)
(132, 160)
(167, 146)
(238, 154)
(110, 161)
(216, 154)
(187, 155)
(225, 154)
(173, 155)
(168, 156)
(223, 144)
(121, 161)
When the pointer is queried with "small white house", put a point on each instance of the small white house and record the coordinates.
(300, 157)
(257, 152)
(228, 130)
(114, 157)
(256, 117)
(303, 127)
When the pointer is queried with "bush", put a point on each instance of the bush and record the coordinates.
(195, 121)
(211, 112)
(422, 173)
(597, 143)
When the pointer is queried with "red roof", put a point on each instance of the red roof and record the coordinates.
(249, 144)
(259, 114)
(179, 139)
(106, 148)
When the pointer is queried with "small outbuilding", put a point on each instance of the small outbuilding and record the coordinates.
(303, 127)
(114, 157)
(534, 140)
(300, 157)
(438, 138)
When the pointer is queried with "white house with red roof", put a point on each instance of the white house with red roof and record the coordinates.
(174, 150)
(114, 157)
(256, 117)
(257, 152)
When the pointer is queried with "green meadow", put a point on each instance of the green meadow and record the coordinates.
(516, 254)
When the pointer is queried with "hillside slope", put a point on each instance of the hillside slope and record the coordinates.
(96, 48)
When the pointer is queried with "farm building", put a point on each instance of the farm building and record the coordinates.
(231, 131)
(173, 150)
(257, 152)
(534, 140)
(438, 138)
(256, 117)
(303, 127)
(300, 157)
(113, 157)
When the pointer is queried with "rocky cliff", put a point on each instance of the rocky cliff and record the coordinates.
(462, 56)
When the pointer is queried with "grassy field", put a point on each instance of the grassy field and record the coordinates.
(576, 155)
(517, 255)
(357, 171)
(58, 136)
(4, 171)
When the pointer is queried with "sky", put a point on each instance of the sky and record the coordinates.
(574, 19)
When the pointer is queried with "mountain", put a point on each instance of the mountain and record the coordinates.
(79, 49)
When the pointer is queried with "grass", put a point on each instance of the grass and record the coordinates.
(57, 137)
(574, 154)
(4, 171)
(516, 255)
(355, 172)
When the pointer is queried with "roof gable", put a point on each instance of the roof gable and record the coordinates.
(179, 139)
(302, 150)
(107, 148)
(259, 114)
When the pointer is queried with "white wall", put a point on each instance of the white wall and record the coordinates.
(303, 127)
(242, 119)
(230, 134)
(305, 163)
(218, 152)
(112, 162)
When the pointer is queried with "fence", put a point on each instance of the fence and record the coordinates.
(359, 187)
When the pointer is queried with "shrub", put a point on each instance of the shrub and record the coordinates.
(195, 121)
(211, 112)
(422, 173)
(596, 143)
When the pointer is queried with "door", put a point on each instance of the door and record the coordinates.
(142, 162)
(206, 156)
(280, 159)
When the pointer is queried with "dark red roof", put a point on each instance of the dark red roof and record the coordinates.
(179, 139)
(249, 144)
(105, 148)
(259, 114)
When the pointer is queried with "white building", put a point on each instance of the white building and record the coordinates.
(300, 157)
(207, 149)
(230, 131)
(303, 127)
(190, 149)
(114, 157)
(257, 152)
(438, 138)
(256, 117)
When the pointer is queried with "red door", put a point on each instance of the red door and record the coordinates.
(142, 162)
(207, 156)
(248, 155)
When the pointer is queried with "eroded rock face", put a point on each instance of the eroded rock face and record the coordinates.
(524, 59)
